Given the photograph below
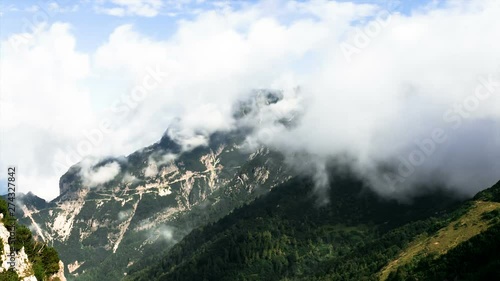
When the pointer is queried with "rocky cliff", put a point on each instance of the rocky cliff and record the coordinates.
(114, 212)
(20, 263)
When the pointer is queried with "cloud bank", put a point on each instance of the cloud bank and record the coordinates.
(406, 100)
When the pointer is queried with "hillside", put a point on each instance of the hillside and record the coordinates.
(466, 249)
(158, 196)
(34, 259)
(286, 236)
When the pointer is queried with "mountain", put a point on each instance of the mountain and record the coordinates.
(285, 235)
(158, 196)
(227, 210)
(33, 260)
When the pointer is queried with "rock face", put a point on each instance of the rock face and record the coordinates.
(152, 199)
(23, 266)
(59, 276)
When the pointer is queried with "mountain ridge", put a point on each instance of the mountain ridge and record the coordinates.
(95, 225)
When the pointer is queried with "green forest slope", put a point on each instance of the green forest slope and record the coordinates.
(286, 235)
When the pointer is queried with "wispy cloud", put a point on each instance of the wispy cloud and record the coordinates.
(8, 9)
(121, 8)
(93, 177)
(56, 8)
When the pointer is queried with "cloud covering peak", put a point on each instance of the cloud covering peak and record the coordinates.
(405, 99)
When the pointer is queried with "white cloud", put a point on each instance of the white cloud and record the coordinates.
(122, 215)
(96, 176)
(151, 170)
(120, 8)
(128, 178)
(155, 161)
(56, 8)
(43, 106)
(166, 232)
(8, 9)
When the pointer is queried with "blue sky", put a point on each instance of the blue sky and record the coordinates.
(91, 25)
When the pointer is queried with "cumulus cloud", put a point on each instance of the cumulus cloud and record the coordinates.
(43, 107)
(373, 106)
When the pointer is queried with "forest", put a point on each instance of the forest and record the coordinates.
(287, 235)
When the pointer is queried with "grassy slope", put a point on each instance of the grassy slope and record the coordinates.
(468, 247)
(458, 231)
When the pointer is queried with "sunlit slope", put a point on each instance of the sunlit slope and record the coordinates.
(472, 223)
